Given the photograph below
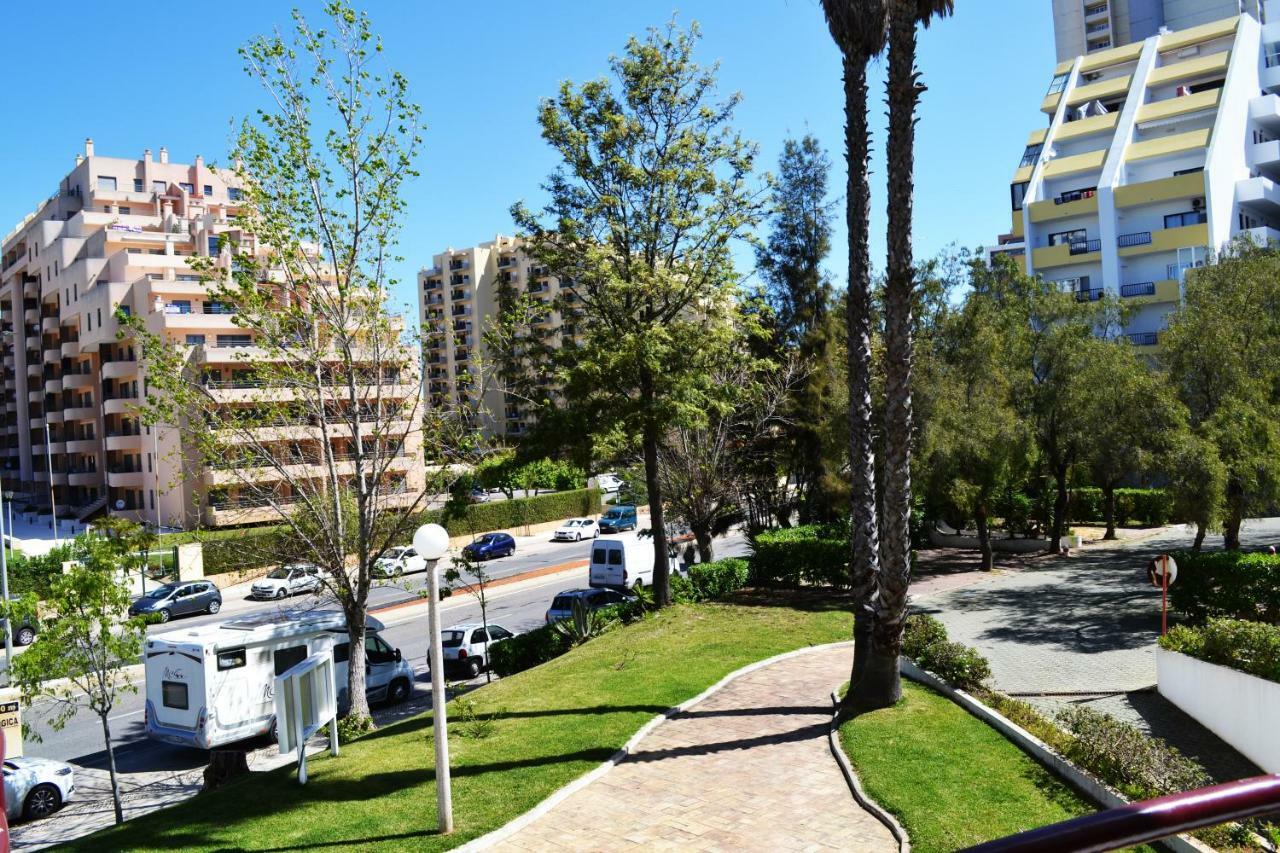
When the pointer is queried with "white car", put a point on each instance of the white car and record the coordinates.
(466, 647)
(577, 529)
(36, 787)
(398, 561)
(287, 580)
(608, 482)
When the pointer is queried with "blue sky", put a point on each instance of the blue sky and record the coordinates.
(168, 74)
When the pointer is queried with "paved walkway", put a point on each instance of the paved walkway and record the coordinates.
(1083, 630)
(748, 768)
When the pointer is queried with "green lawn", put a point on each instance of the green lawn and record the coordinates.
(554, 723)
(950, 779)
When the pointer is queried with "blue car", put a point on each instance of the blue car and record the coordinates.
(491, 545)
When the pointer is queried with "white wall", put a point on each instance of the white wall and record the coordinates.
(1241, 709)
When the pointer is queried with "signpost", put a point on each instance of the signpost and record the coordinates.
(306, 701)
(1162, 571)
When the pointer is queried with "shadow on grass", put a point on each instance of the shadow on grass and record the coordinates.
(807, 599)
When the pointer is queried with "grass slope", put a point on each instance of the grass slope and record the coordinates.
(553, 723)
(949, 778)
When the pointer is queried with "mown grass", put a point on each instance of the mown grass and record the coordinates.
(551, 724)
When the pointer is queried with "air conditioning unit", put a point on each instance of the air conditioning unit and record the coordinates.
(1197, 204)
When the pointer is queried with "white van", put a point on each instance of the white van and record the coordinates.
(215, 684)
(624, 563)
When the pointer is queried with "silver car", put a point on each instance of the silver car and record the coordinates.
(36, 787)
(287, 580)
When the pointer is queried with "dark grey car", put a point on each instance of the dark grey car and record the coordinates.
(179, 599)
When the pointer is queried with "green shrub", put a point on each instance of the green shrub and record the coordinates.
(813, 555)
(920, 632)
(1227, 584)
(1136, 764)
(710, 581)
(525, 651)
(253, 548)
(1251, 647)
(501, 515)
(956, 663)
(1145, 507)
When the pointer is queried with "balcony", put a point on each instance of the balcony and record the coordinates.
(125, 479)
(1143, 292)
(119, 369)
(1080, 252)
(1200, 66)
(1092, 294)
(80, 413)
(70, 348)
(53, 386)
(123, 442)
(1089, 161)
(1168, 240)
(1190, 185)
(1058, 208)
(1184, 105)
(78, 380)
(1165, 146)
(1138, 238)
(1144, 340)
(1100, 91)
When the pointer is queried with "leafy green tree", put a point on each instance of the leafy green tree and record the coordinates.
(1222, 351)
(471, 575)
(790, 263)
(1197, 480)
(77, 661)
(652, 190)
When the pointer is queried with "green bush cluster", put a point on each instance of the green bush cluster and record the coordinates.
(251, 548)
(814, 555)
(35, 573)
(500, 515)
(525, 651)
(1136, 764)
(1252, 647)
(924, 640)
(1145, 507)
(709, 581)
(1227, 584)
(503, 472)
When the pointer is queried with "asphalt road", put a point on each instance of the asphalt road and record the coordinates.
(518, 608)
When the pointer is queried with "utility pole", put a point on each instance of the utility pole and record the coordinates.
(431, 541)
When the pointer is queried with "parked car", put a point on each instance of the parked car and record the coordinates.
(287, 580)
(577, 529)
(618, 518)
(466, 647)
(24, 630)
(562, 605)
(178, 599)
(490, 546)
(36, 787)
(398, 561)
(609, 482)
(477, 495)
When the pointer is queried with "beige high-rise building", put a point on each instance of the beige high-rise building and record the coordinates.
(1081, 27)
(458, 299)
(118, 234)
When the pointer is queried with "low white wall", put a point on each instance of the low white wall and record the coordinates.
(970, 543)
(1242, 709)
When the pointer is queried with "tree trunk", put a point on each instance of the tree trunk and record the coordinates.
(1235, 516)
(661, 574)
(903, 91)
(1201, 530)
(984, 536)
(705, 549)
(865, 539)
(1109, 498)
(111, 767)
(1059, 508)
(358, 701)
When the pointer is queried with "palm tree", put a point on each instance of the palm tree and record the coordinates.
(858, 29)
(879, 685)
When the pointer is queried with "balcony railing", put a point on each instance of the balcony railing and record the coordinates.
(1140, 288)
(1137, 238)
(1075, 195)
(1090, 294)
(1143, 339)
(1084, 247)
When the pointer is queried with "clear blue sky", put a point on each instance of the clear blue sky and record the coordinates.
(168, 74)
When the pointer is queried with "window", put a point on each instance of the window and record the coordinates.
(287, 659)
(496, 633)
(213, 245)
(235, 340)
(107, 183)
(195, 340)
(376, 649)
(1058, 83)
(598, 556)
(188, 188)
(1191, 217)
(137, 185)
(174, 695)
(233, 193)
(159, 187)
(615, 557)
(125, 211)
(1018, 193)
(342, 652)
(479, 635)
(231, 659)
(208, 189)
(1079, 235)
(1031, 154)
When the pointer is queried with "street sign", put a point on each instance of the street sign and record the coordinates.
(1162, 571)
(11, 724)
(306, 698)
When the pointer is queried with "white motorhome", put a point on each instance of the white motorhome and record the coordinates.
(215, 684)
(624, 563)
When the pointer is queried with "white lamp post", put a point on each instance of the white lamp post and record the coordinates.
(431, 541)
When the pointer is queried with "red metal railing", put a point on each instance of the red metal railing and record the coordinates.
(1149, 820)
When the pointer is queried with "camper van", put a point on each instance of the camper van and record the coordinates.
(624, 563)
(215, 684)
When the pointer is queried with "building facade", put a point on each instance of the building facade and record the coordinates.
(1081, 27)
(119, 234)
(460, 298)
(1154, 155)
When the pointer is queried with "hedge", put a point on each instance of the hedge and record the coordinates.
(924, 640)
(1227, 584)
(1251, 647)
(1146, 507)
(527, 650)
(709, 581)
(812, 554)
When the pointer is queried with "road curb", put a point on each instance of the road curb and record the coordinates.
(493, 584)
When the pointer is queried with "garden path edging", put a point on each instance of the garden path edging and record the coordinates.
(855, 785)
(518, 823)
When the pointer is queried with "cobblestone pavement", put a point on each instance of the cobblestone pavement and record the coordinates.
(748, 768)
(1083, 629)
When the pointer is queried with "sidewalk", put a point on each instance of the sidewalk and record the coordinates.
(748, 768)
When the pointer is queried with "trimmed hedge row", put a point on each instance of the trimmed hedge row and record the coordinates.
(1251, 647)
(811, 554)
(1227, 584)
(709, 581)
(1146, 507)
(924, 640)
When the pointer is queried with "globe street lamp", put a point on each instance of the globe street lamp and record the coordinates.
(431, 541)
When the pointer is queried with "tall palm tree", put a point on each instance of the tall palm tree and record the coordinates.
(858, 29)
(879, 685)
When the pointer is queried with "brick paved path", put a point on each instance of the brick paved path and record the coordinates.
(748, 768)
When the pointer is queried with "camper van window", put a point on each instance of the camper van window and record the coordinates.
(342, 653)
(377, 651)
(615, 557)
(230, 659)
(174, 694)
(598, 556)
(287, 659)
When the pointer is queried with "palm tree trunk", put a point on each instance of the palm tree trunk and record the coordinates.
(865, 539)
